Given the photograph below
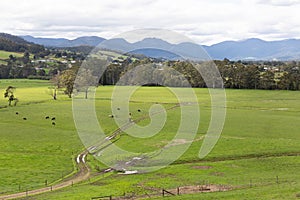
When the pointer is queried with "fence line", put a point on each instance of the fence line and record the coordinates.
(206, 186)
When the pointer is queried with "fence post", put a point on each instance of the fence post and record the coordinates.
(178, 192)
(250, 183)
(277, 179)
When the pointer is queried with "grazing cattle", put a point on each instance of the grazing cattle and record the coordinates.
(47, 117)
(111, 116)
(17, 113)
(24, 118)
(139, 110)
(53, 123)
(53, 118)
(130, 113)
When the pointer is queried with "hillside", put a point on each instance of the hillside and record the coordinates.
(256, 49)
(249, 49)
(16, 44)
(62, 42)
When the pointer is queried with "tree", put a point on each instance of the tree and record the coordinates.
(251, 77)
(9, 93)
(84, 80)
(26, 58)
(66, 80)
(27, 70)
(55, 82)
(4, 71)
(285, 81)
(267, 80)
(12, 58)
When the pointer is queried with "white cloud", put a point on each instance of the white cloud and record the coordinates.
(203, 21)
(280, 2)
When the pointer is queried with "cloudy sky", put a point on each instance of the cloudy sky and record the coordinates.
(206, 22)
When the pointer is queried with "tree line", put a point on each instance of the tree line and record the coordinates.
(153, 72)
(41, 65)
(236, 75)
(269, 75)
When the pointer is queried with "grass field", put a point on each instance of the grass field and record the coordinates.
(34, 151)
(258, 147)
(6, 54)
(3, 62)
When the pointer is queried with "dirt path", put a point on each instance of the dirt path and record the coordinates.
(81, 175)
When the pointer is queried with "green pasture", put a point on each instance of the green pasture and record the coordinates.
(6, 54)
(3, 62)
(252, 179)
(259, 142)
(33, 150)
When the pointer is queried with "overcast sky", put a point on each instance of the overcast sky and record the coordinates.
(205, 22)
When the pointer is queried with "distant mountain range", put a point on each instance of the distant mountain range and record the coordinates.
(62, 42)
(256, 49)
(250, 49)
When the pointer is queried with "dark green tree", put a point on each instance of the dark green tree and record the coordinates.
(26, 57)
(267, 80)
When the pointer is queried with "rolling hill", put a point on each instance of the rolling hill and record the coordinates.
(249, 49)
(62, 42)
(16, 44)
(256, 49)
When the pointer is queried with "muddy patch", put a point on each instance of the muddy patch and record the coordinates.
(202, 167)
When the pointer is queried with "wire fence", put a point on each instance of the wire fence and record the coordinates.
(149, 192)
(204, 187)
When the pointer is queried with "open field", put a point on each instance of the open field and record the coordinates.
(6, 54)
(32, 150)
(257, 155)
(3, 62)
